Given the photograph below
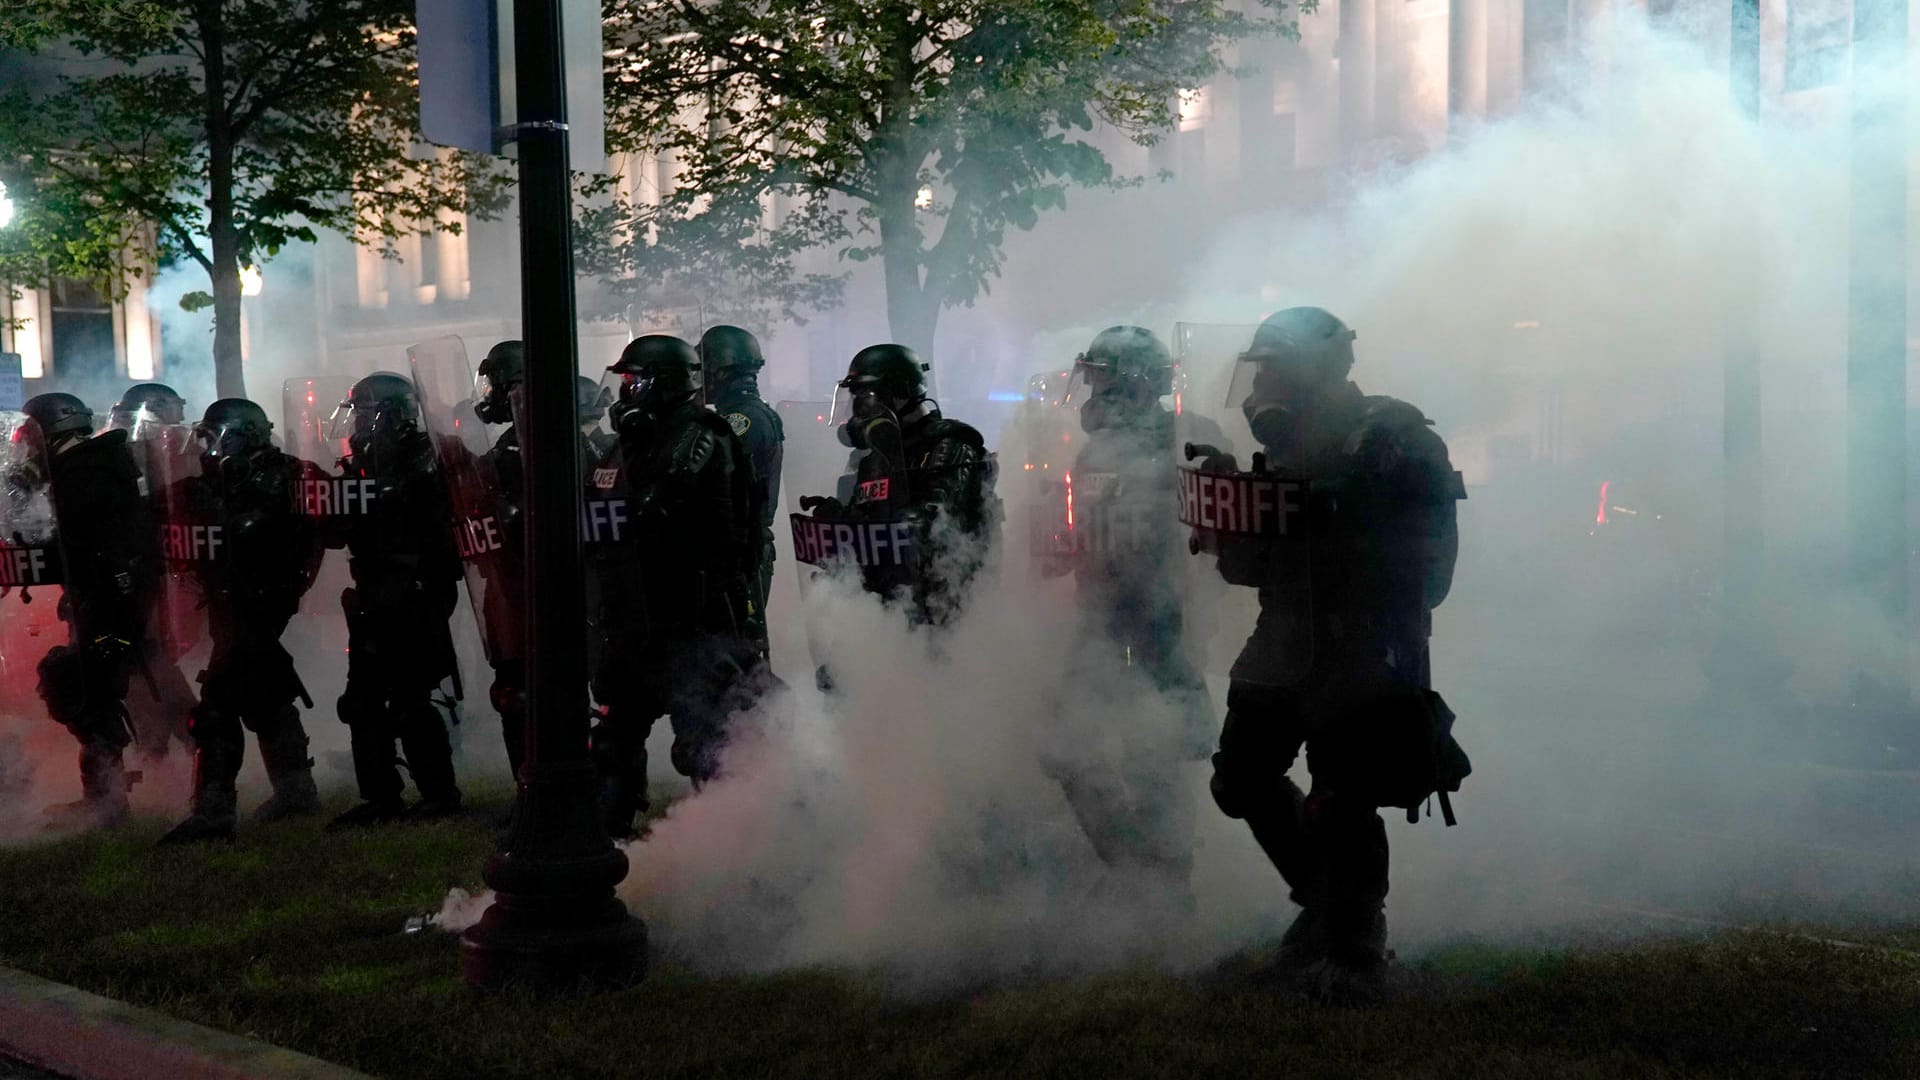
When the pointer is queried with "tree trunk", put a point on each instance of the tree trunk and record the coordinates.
(229, 380)
(911, 310)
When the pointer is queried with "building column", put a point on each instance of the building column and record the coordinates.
(1544, 28)
(1466, 63)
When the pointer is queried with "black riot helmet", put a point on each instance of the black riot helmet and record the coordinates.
(1124, 373)
(232, 429)
(883, 384)
(59, 415)
(657, 372)
(504, 368)
(385, 408)
(890, 372)
(158, 402)
(728, 350)
(1306, 344)
(1297, 356)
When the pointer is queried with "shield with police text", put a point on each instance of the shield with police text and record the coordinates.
(30, 554)
(1246, 521)
(481, 467)
(168, 457)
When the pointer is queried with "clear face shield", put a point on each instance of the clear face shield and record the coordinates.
(492, 400)
(23, 460)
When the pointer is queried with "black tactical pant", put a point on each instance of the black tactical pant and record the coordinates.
(398, 650)
(1128, 798)
(696, 683)
(1330, 847)
(160, 701)
(249, 683)
(84, 688)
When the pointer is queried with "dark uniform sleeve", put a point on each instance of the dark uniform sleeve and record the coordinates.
(760, 430)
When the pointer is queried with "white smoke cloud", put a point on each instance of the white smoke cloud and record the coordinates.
(1582, 260)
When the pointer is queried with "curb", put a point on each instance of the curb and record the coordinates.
(84, 1036)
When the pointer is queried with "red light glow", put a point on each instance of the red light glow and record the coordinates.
(1069, 477)
(1601, 517)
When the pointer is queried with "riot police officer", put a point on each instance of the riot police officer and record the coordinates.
(920, 464)
(254, 555)
(106, 532)
(730, 362)
(160, 703)
(673, 584)
(1127, 557)
(1350, 631)
(404, 566)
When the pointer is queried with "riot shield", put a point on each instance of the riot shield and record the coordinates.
(1248, 523)
(168, 458)
(30, 554)
(312, 411)
(475, 461)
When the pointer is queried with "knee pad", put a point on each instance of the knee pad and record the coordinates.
(210, 725)
(508, 696)
(1244, 789)
(63, 684)
(355, 709)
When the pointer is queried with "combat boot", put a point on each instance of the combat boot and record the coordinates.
(369, 814)
(214, 817)
(283, 746)
(103, 788)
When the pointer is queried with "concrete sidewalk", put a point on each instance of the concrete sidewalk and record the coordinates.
(83, 1036)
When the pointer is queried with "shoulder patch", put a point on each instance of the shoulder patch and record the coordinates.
(739, 422)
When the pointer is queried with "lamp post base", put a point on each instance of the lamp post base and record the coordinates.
(555, 924)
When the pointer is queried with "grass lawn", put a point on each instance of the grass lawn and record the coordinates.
(294, 936)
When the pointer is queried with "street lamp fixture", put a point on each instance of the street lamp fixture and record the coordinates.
(6, 206)
(250, 281)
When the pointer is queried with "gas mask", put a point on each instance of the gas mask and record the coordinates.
(1277, 408)
(1118, 403)
(225, 452)
(492, 403)
(872, 426)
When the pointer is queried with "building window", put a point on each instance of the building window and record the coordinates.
(83, 339)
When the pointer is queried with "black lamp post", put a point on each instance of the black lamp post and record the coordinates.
(555, 922)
